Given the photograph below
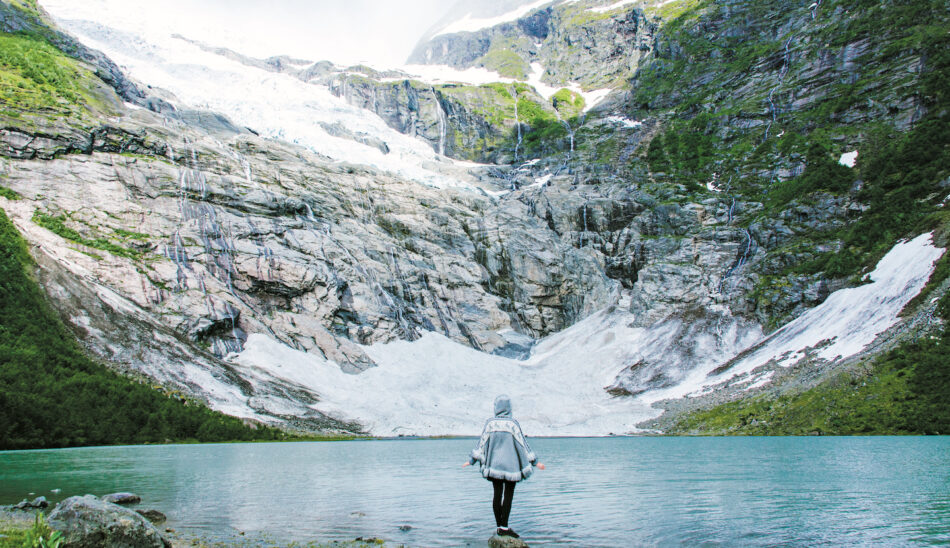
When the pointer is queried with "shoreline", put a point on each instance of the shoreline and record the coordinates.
(475, 437)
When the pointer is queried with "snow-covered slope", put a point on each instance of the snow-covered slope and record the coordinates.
(436, 386)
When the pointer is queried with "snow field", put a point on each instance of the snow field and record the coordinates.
(435, 386)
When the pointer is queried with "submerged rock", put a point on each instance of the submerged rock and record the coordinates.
(122, 498)
(89, 522)
(497, 541)
(152, 515)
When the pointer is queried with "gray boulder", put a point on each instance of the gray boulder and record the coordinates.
(122, 498)
(89, 522)
(497, 541)
(37, 503)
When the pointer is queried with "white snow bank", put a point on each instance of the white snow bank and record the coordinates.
(469, 24)
(611, 7)
(846, 322)
(849, 158)
(436, 386)
(624, 122)
(851, 318)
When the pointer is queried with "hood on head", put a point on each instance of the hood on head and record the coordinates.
(502, 406)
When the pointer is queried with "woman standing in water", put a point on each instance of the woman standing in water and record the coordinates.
(505, 460)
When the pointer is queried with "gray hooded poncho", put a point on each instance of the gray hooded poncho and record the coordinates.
(502, 450)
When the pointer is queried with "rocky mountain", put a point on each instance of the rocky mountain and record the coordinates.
(666, 188)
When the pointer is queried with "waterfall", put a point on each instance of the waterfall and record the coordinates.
(583, 238)
(786, 59)
(570, 133)
(742, 259)
(781, 77)
(442, 122)
(514, 95)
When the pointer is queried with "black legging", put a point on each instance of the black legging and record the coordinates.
(501, 504)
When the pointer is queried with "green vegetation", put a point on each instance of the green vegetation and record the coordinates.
(901, 171)
(128, 234)
(53, 395)
(58, 226)
(505, 62)
(906, 391)
(9, 194)
(823, 172)
(40, 84)
(669, 10)
(542, 131)
(41, 536)
(568, 103)
(38, 79)
(580, 15)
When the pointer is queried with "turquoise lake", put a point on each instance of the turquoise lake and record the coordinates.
(646, 491)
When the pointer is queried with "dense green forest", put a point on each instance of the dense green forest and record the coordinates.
(53, 395)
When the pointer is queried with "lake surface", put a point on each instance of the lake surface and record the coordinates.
(595, 492)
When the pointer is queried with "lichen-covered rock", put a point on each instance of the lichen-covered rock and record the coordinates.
(88, 522)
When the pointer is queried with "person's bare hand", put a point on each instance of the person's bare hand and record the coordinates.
(466, 464)
(541, 466)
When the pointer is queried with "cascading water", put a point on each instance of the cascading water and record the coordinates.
(442, 122)
(514, 96)
(742, 259)
(781, 77)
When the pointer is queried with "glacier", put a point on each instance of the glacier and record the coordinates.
(275, 105)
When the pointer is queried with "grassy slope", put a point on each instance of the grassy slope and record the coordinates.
(40, 86)
(904, 391)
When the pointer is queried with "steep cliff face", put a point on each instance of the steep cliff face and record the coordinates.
(594, 45)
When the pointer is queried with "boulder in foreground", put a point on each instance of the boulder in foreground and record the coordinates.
(87, 522)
